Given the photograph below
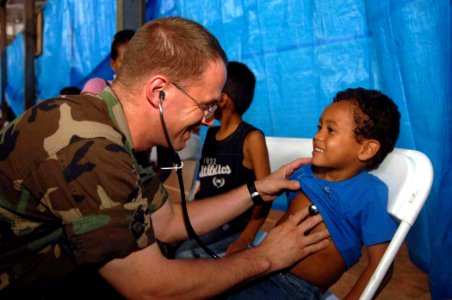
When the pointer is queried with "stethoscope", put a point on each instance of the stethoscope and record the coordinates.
(178, 165)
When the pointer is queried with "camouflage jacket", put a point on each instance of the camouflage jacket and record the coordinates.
(71, 191)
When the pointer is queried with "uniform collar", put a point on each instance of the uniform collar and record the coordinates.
(116, 113)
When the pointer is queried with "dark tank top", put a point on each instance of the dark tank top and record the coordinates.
(221, 168)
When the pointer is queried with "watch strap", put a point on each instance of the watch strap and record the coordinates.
(254, 194)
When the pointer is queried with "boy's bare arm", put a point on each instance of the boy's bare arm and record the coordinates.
(374, 253)
(255, 157)
(255, 154)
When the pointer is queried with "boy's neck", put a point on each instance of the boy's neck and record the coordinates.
(228, 124)
(330, 174)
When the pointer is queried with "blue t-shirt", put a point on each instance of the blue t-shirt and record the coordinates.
(354, 210)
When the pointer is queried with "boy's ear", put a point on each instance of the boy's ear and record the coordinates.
(114, 65)
(224, 101)
(369, 149)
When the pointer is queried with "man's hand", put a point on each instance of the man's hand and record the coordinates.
(271, 186)
(287, 243)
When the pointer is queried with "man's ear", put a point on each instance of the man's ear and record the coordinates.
(369, 149)
(155, 89)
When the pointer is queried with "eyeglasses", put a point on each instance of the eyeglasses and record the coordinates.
(208, 110)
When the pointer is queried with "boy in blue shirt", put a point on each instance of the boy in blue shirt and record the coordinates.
(355, 133)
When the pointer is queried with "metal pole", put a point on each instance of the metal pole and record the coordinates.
(30, 48)
(130, 14)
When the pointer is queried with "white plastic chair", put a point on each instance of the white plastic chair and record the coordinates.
(408, 175)
(282, 150)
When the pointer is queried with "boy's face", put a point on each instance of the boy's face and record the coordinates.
(335, 145)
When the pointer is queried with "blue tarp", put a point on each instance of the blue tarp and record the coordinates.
(302, 53)
(76, 45)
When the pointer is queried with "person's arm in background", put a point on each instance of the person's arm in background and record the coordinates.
(94, 86)
(255, 157)
(147, 274)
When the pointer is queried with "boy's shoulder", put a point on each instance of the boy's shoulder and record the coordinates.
(363, 181)
(369, 178)
(240, 132)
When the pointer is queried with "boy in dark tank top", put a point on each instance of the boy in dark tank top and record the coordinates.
(234, 153)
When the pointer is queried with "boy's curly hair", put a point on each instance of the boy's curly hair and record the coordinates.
(376, 117)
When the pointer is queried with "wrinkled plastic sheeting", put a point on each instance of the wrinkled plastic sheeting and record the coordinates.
(94, 28)
(54, 64)
(78, 35)
(76, 40)
(301, 52)
(413, 42)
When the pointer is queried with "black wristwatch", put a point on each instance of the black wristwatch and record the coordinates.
(255, 197)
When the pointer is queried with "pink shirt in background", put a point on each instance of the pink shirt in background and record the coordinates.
(95, 85)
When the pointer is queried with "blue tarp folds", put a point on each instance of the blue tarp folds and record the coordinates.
(76, 41)
(302, 53)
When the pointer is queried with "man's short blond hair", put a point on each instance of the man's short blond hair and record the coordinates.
(175, 47)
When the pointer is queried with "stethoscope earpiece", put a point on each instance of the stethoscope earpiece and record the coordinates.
(162, 95)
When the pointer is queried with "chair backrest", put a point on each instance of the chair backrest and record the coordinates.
(408, 175)
(282, 150)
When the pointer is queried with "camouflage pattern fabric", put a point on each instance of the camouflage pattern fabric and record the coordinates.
(71, 192)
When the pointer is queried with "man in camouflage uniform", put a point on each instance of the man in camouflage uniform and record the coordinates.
(74, 201)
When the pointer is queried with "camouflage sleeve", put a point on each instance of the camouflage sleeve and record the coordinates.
(100, 200)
